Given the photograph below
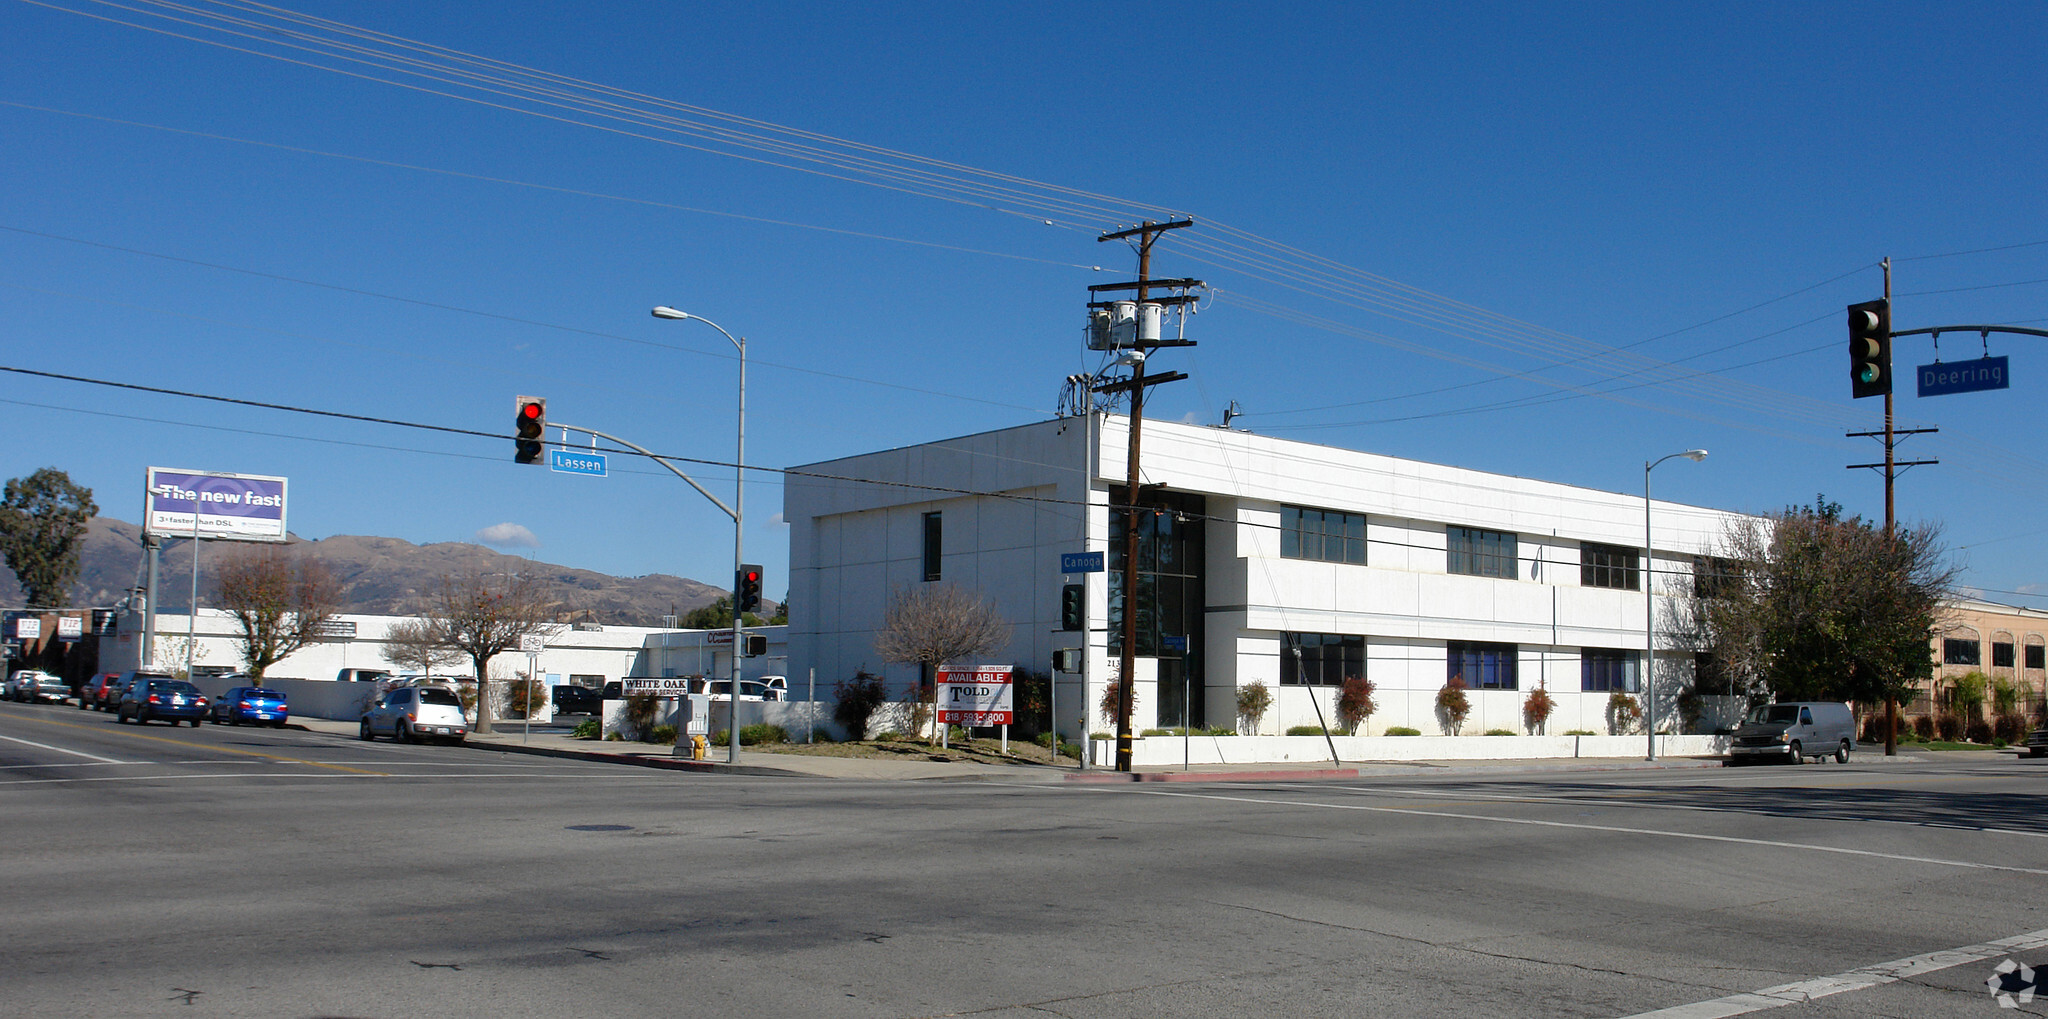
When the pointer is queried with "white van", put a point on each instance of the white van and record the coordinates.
(1794, 731)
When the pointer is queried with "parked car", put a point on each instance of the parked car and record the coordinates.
(95, 688)
(1793, 732)
(173, 700)
(577, 700)
(251, 704)
(109, 696)
(416, 713)
(34, 685)
(2037, 742)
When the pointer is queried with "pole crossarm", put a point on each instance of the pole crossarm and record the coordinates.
(651, 455)
(1980, 330)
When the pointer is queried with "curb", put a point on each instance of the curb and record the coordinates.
(637, 760)
(1113, 778)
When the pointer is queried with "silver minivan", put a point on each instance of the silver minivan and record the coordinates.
(1793, 732)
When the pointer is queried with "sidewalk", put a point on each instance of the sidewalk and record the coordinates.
(509, 738)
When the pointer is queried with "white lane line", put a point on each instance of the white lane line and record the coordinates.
(1858, 979)
(61, 750)
(1617, 829)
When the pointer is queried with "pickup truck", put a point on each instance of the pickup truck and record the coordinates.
(33, 685)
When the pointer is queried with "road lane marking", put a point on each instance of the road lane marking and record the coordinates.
(61, 750)
(196, 746)
(1616, 829)
(1861, 978)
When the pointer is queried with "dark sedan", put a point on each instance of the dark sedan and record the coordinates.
(172, 700)
(251, 705)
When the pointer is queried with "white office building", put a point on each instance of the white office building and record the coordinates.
(1403, 572)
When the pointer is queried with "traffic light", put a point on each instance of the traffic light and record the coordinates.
(747, 589)
(1870, 348)
(756, 645)
(531, 421)
(1074, 607)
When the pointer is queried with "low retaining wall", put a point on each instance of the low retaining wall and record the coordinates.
(1157, 751)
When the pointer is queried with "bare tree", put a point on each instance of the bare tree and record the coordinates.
(412, 645)
(281, 601)
(935, 624)
(481, 615)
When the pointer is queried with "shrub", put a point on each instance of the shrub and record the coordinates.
(1623, 714)
(1253, 701)
(2005, 696)
(762, 732)
(589, 728)
(662, 734)
(2009, 727)
(1355, 703)
(1112, 692)
(1923, 727)
(1978, 731)
(1949, 726)
(1402, 730)
(1216, 730)
(1966, 694)
(1580, 732)
(1311, 730)
(888, 736)
(1452, 705)
(639, 714)
(1536, 709)
(1102, 735)
(920, 704)
(1500, 732)
(1873, 727)
(528, 697)
(1160, 732)
(857, 700)
(615, 738)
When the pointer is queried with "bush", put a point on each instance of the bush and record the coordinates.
(857, 700)
(662, 734)
(2009, 728)
(1500, 732)
(1623, 714)
(1873, 727)
(1312, 730)
(528, 697)
(1102, 735)
(1580, 732)
(1253, 701)
(639, 714)
(1160, 732)
(1978, 731)
(589, 728)
(1923, 727)
(1354, 703)
(1536, 709)
(1452, 705)
(762, 732)
(888, 736)
(1216, 730)
(1402, 730)
(1949, 726)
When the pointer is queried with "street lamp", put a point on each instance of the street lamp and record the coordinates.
(1649, 606)
(738, 522)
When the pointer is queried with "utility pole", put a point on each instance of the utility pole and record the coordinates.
(1147, 233)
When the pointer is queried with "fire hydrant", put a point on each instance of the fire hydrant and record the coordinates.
(697, 747)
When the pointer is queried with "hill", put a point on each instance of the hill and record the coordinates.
(378, 575)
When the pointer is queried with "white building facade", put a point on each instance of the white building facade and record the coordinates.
(1252, 547)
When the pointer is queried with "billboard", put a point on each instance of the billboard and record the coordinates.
(235, 507)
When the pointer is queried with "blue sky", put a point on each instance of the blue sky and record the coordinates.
(1550, 241)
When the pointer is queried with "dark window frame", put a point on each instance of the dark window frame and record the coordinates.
(1599, 667)
(2001, 654)
(1958, 651)
(1477, 552)
(1320, 535)
(934, 547)
(1483, 665)
(1324, 667)
(1614, 567)
(2036, 656)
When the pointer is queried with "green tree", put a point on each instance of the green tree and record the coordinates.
(716, 616)
(1814, 606)
(42, 523)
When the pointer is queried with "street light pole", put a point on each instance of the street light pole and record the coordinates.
(1649, 604)
(732, 721)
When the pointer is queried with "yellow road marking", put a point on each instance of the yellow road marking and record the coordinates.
(201, 746)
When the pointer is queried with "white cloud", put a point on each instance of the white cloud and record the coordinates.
(508, 535)
(777, 521)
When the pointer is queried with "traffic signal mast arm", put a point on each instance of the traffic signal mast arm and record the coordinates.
(1936, 331)
(651, 455)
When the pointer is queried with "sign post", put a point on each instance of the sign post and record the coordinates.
(531, 643)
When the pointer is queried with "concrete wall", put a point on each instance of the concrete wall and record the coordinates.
(1163, 751)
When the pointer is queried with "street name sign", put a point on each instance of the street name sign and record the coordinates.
(1081, 562)
(576, 461)
(1946, 378)
(976, 696)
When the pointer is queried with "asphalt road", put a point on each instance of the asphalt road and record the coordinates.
(254, 872)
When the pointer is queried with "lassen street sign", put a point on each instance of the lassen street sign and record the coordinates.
(576, 461)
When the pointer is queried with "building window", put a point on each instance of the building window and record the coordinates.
(1715, 577)
(1481, 553)
(2001, 654)
(1961, 652)
(931, 546)
(1606, 670)
(1327, 659)
(2036, 659)
(1608, 566)
(1482, 666)
(1325, 535)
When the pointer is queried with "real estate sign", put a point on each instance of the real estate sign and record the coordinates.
(210, 504)
(980, 696)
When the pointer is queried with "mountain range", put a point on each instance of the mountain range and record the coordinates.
(383, 576)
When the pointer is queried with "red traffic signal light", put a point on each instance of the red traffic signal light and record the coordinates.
(530, 421)
(1870, 349)
(747, 589)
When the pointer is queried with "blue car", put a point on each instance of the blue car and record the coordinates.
(172, 700)
(251, 704)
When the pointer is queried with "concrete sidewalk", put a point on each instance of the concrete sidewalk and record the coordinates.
(510, 738)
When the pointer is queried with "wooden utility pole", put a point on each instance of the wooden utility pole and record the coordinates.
(1146, 233)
